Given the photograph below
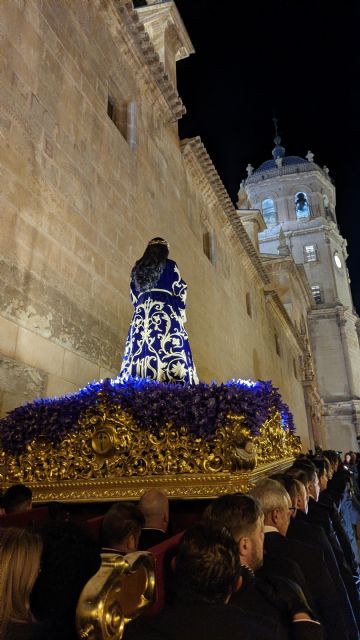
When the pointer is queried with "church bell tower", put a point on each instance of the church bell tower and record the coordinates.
(297, 199)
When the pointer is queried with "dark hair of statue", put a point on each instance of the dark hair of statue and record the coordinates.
(148, 269)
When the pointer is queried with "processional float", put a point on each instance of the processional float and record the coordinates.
(114, 438)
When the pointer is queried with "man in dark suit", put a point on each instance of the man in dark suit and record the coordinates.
(277, 508)
(121, 528)
(313, 534)
(154, 505)
(300, 527)
(207, 572)
(273, 592)
(319, 515)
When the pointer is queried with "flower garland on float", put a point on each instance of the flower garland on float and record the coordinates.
(202, 408)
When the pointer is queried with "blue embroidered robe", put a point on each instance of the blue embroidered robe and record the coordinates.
(157, 344)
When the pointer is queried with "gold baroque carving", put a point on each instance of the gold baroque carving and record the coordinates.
(273, 443)
(122, 588)
(110, 455)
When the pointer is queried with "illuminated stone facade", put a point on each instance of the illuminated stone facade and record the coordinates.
(91, 168)
(297, 199)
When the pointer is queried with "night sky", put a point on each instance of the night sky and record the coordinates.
(296, 60)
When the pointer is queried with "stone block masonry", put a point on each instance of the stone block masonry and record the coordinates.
(81, 197)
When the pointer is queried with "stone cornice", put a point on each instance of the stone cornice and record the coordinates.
(130, 20)
(322, 312)
(194, 146)
(273, 298)
(274, 263)
(168, 12)
(290, 230)
(334, 310)
(252, 215)
(334, 233)
(341, 407)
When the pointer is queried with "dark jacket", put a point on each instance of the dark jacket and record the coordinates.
(318, 580)
(211, 622)
(256, 597)
(150, 538)
(29, 631)
(284, 567)
(318, 514)
(22, 631)
(304, 531)
(326, 500)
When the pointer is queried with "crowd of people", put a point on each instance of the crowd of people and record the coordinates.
(281, 561)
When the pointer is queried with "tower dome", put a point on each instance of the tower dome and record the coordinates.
(279, 158)
(268, 165)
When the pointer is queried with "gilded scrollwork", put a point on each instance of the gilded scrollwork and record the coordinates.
(121, 589)
(108, 447)
(273, 443)
(238, 448)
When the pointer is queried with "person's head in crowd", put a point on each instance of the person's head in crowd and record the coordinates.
(292, 487)
(347, 460)
(243, 516)
(20, 555)
(339, 484)
(17, 499)
(333, 458)
(303, 496)
(312, 485)
(275, 502)
(154, 505)
(207, 564)
(70, 558)
(328, 467)
(304, 461)
(121, 527)
(322, 473)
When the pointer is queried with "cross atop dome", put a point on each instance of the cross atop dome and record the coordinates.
(278, 151)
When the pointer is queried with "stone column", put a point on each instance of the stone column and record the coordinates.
(341, 321)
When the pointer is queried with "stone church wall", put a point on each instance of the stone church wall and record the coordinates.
(331, 368)
(80, 199)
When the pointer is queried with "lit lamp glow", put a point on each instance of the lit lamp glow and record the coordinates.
(337, 260)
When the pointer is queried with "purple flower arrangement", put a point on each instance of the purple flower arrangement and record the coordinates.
(201, 408)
